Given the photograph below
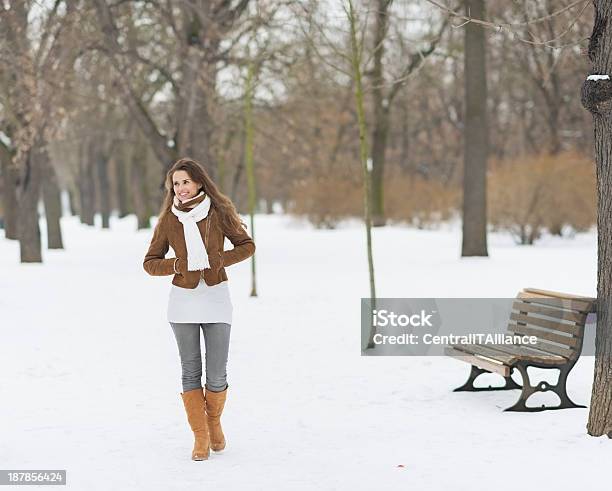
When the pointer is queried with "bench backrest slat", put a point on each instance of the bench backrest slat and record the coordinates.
(556, 319)
(567, 315)
(565, 303)
(569, 341)
(523, 317)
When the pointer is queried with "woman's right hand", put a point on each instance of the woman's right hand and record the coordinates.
(180, 266)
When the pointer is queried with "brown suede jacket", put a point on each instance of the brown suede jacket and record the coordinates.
(169, 233)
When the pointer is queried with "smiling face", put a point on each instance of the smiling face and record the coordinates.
(184, 187)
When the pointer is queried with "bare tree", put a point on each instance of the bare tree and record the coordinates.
(385, 88)
(355, 58)
(190, 59)
(38, 50)
(597, 98)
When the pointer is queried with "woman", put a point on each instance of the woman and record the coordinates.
(194, 220)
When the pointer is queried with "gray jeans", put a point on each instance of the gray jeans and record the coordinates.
(216, 341)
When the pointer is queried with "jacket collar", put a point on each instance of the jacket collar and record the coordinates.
(190, 203)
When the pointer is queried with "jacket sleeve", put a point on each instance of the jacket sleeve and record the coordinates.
(154, 262)
(244, 246)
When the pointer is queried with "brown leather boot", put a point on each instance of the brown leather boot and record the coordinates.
(196, 415)
(215, 401)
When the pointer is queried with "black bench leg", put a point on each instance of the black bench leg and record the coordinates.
(528, 390)
(561, 390)
(468, 386)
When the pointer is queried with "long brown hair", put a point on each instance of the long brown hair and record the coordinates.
(228, 214)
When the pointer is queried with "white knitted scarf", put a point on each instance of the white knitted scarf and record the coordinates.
(197, 257)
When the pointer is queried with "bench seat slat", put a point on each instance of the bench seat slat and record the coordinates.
(481, 362)
(510, 354)
(527, 353)
(485, 350)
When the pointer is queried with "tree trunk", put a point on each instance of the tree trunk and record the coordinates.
(597, 98)
(379, 146)
(405, 163)
(103, 187)
(52, 201)
(381, 117)
(72, 201)
(250, 171)
(9, 195)
(28, 195)
(553, 128)
(122, 173)
(239, 168)
(222, 160)
(140, 193)
(476, 138)
(86, 186)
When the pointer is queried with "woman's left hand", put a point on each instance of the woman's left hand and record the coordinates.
(216, 261)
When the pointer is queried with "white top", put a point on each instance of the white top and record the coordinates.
(201, 304)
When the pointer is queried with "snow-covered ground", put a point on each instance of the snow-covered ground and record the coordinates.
(91, 374)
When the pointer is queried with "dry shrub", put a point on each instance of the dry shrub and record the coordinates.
(543, 192)
(421, 202)
(326, 200)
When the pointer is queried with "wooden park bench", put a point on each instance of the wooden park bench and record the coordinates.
(557, 320)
